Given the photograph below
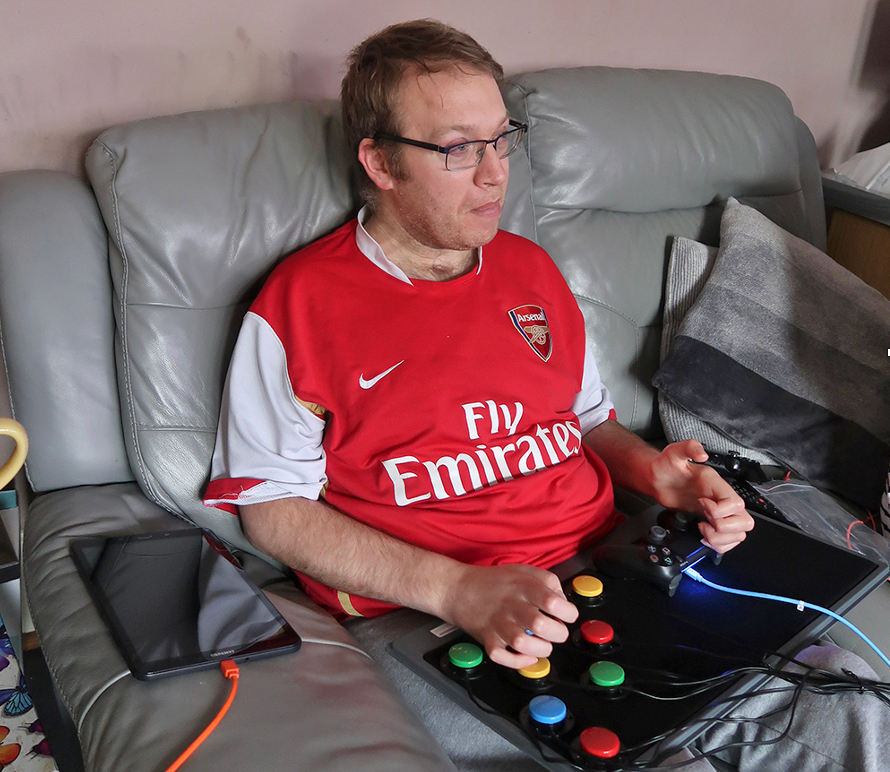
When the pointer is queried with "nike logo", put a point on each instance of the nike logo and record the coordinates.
(368, 384)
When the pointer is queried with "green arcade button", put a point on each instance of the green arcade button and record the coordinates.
(606, 674)
(465, 655)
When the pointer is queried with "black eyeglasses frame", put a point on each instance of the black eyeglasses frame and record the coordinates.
(514, 127)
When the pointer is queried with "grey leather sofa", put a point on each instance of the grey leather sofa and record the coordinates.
(120, 299)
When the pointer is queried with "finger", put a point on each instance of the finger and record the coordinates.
(552, 601)
(738, 523)
(548, 629)
(722, 540)
(722, 508)
(518, 649)
(557, 607)
(547, 578)
(502, 656)
(724, 546)
(684, 451)
(695, 451)
(524, 642)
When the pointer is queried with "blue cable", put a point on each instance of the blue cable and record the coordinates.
(691, 572)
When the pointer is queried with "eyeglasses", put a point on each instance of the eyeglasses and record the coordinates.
(467, 155)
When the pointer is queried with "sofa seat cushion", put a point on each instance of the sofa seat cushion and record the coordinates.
(325, 707)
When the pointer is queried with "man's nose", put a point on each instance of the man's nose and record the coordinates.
(492, 169)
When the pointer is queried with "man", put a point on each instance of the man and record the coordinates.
(412, 415)
(423, 507)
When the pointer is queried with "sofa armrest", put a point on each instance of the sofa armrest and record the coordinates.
(325, 707)
(859, 231)
(843, 194)
(58, 328)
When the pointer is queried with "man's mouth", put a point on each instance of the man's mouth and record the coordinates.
(492, 209)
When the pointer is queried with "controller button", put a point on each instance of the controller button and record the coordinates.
(668, 562)
(657, 534)
(600, 742)
(587, 586)
(541, 669)
(683, 519)
(465, 655)
(606, 673)
(597, 631)
(653, 558)
(546, 709)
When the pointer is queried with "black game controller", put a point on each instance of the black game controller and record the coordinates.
(656, 549)
(734, 465)
(740, 473)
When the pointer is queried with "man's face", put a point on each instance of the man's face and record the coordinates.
(438, 208)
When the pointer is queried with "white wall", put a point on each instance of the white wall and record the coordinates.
(70, 68)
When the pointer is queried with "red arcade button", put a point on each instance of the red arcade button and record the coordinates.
(597, 631)
(600, 742)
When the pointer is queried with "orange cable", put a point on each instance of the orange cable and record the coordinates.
(230, 671)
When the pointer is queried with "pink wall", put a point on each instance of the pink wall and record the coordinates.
(69, 69)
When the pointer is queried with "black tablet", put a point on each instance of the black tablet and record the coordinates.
(178, 601)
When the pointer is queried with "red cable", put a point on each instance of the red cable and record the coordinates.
(230, 671)
(850, 528)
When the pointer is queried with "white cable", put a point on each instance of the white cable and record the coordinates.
(97, 695)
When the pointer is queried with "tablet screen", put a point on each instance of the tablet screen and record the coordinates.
(178, 600)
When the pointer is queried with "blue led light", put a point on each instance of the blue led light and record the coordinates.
(693, 574)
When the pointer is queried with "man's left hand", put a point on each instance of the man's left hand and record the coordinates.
(678, 483)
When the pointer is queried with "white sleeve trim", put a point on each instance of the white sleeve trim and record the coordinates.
(265, 433)
(592, 404)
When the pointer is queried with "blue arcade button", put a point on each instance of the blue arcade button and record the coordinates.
(546, 709)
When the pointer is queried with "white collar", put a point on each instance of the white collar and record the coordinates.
(374, 252)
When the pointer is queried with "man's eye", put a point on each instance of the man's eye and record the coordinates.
(461, 151)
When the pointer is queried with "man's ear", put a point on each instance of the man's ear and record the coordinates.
(376, 163)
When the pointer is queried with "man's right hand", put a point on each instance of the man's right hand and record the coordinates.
(498, 605)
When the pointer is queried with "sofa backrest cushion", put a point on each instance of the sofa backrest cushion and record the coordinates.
(199, 207)
(620, 161)
(58, 328)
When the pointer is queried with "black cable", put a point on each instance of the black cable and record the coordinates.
(812, 679)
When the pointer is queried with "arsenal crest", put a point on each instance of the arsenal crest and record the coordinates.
(531, 321)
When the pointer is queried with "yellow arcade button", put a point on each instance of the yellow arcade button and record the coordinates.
(587, 586)
(541, 669)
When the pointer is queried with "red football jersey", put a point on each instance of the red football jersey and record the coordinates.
(447, 406)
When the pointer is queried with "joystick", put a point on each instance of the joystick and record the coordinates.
(658, 554)
(734, 465)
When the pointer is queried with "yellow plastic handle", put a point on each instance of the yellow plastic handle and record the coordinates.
(15, 430)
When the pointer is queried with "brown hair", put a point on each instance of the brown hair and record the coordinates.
(375, 69)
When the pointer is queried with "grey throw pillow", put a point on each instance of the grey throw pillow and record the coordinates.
(786, 351)
(688, 270)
